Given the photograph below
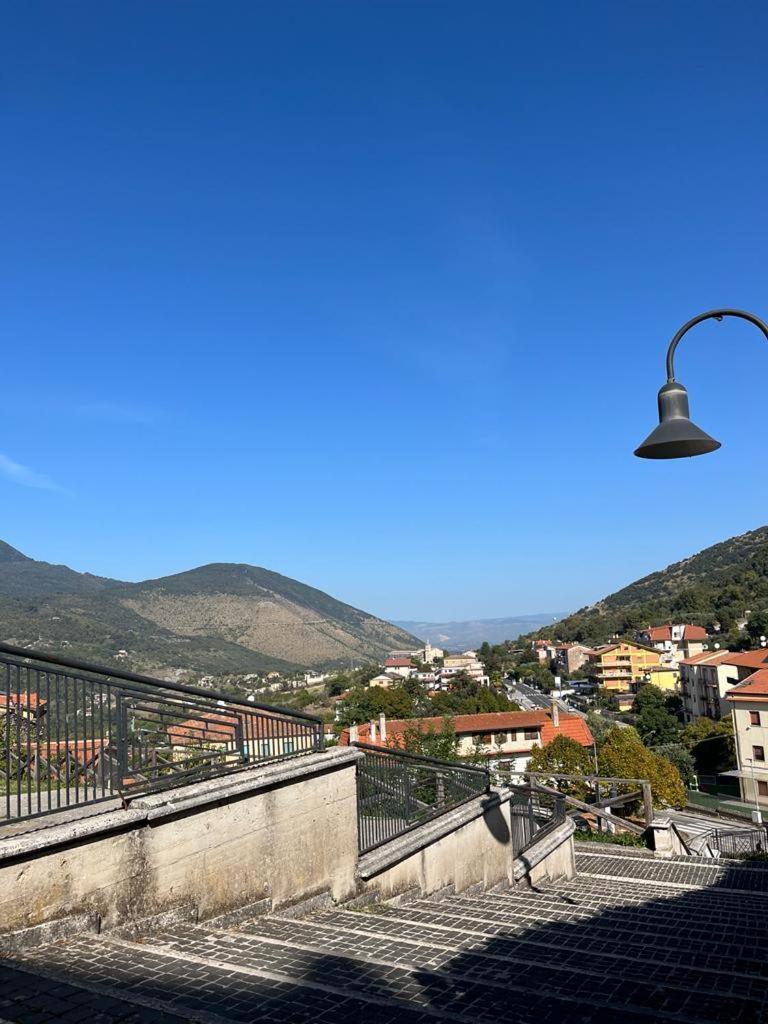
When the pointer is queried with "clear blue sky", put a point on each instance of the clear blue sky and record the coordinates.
(377, 294)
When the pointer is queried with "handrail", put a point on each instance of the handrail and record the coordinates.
(419, 757)
(398, 791)
(133, 677)
(74, 733)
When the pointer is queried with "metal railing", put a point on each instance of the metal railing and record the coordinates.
(738, 842)
(533, 812)
(397, 791)
(74, 733)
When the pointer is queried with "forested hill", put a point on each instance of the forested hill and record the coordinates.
(214, 619)
(716, 586)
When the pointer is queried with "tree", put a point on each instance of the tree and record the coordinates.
(623, 755)
(599, 726)
(711, 744)
(442, 744)
(681, 758)
(656, 719)
(563, 756)
(655, 725)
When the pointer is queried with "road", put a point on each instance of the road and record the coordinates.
(696, 825)
(528, 697)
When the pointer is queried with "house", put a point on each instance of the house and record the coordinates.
(749, 709)
(571, 657)
(505, 738)
(467, 662)
(622, 666)
(707, 678)
(386, 680)
(229, 736)
(542, 650)
(666, 677)
(675, 642)
(402, 667)
(28, 706)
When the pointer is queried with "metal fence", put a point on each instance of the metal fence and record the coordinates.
(397, 791)
(738, 842)
(534, 812)
(75, 733)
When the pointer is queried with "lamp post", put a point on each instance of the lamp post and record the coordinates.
(676, 436)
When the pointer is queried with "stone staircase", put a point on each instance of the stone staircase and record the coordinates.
(631, 938)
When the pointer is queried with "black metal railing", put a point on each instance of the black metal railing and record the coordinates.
(737, 842)
(397, 791)
(76, 733)
(534, 812)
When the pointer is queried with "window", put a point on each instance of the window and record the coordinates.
(531, 734)
(754, 718)
(758, 753)
(487, 738)
(762, 789)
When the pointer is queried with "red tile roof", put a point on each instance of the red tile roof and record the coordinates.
(755, 685)
(659, 633)
(707, 658)
(25, 700)
(497, 721)
(398, 663)
(217, 728)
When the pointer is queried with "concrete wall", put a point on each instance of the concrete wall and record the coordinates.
(286, 831)
(467, 847)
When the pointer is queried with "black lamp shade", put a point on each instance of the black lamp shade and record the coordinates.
(676, 436)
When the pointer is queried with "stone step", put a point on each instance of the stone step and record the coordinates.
(27, 997)
(698, 903)
(484, 987)
(125, 981)
(511, 961)
(614, 928)
(464, 933)
(693, 909)
(731, 875)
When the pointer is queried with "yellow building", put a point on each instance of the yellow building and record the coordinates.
(622, 665)
(666, 677)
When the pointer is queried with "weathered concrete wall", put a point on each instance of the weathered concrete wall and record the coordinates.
(552, 857)
(285, 831)
(468, 846)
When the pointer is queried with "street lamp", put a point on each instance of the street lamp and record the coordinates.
(676, 436)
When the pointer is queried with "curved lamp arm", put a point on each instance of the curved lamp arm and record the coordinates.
(713, 314)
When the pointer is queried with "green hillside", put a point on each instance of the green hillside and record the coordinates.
(219, 618)
(713, 589)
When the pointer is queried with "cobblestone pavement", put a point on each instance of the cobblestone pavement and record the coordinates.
(629, 939)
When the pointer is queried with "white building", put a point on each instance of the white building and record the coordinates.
(467, 662)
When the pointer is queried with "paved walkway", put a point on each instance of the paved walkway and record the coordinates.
(629, 939)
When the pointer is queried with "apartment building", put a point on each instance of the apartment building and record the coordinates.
(674, 642)
(467, 662)
(571, 657)
(505, 738)
(707, 678)
(749, 708)
(623, 665)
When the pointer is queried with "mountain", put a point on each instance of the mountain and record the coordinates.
(214, 619)
(714, 587)
(469, 634)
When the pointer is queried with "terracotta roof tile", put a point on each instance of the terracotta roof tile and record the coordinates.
(755, 685)
(572, 726)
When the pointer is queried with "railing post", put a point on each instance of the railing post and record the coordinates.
(647, 803)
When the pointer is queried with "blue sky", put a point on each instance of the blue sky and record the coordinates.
(377, 295)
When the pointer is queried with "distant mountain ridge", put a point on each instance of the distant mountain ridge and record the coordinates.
(715, 587)
(470, 633)
(222, 617)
